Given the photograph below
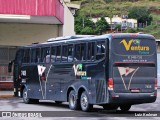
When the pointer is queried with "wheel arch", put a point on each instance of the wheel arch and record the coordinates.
(81, 90)
(68, 91)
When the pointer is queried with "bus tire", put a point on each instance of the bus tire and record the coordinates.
(84, 102)
(110, 107)
(25, 97)
(73, 102)
(125, 107)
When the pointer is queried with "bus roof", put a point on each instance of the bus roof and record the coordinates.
(68, 39)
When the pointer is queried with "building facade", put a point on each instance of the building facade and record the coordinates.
(24, 22)
(116, 20)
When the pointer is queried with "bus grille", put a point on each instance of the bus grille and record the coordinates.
(100, 91)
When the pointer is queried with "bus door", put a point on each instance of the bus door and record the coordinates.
(134, 65)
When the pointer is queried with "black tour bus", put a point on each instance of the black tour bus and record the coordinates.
(111, 70)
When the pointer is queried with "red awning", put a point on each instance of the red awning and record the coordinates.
(35, 8)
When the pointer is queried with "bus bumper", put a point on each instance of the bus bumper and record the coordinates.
(132, 98)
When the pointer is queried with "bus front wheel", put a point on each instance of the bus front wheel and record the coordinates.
(73, 102)
(84, 101)
(125, 107)
(28, 100)
(25, 97)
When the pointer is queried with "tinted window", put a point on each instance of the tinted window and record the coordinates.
(77, 53)
(91, 51)
(70, 53)
(64, 53)
(45, 55)
(53, 54)
(19, 56)
(35, 55)
(100, 50)
(26, 58)
(80, 51)
(58, 54)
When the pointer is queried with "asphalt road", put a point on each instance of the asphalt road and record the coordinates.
(49, 110)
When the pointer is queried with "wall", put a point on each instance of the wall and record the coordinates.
(68, 26)
(13, 34)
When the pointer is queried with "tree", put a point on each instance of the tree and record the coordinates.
(141, 14)
(101, 25)
(82, 22)
(87, 31)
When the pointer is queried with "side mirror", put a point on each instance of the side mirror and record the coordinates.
(10, 66)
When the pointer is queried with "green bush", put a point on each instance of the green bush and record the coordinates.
(87, 31)
(130, 30)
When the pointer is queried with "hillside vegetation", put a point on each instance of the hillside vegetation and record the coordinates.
(108, 8)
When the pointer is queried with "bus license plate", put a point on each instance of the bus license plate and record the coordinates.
(135, 90)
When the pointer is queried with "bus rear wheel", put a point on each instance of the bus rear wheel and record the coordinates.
(84, 102)
(73, 102)
(125, 107)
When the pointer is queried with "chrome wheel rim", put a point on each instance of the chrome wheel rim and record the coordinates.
(72, 100)
(84, 101)
(25, 95)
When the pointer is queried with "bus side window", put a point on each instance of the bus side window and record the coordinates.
(77, 53)
(19, 56)
(64, 53)
(70, 53)
(83, 51)
(53, 54)
(26, 57)
(58, 54)
(45, 55)
(35, 55)
(91, 51)
(80, 52)
(100, 50)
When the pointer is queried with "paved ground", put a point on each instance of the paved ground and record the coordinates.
(49, 111)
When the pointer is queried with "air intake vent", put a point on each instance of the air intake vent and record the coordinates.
(100, 91)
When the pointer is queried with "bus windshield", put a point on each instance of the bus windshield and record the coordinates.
(134, 46)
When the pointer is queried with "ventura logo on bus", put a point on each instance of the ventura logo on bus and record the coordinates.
(134, 45)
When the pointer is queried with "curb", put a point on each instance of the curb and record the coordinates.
(6, 96)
